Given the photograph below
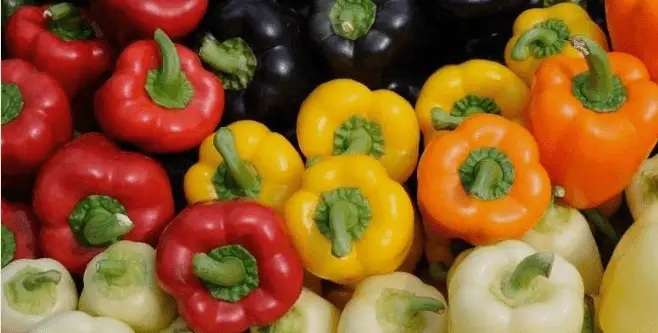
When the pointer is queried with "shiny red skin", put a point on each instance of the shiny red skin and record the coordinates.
(74, 64)
(43, 125)
(92, 164)
(203, 227)
(22, 222)
(125, 111)
(124, 21)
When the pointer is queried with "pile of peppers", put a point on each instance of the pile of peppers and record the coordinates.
(329, 166)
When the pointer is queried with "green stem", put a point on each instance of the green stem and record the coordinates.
(224, 142)
(104, 227)
(417, 304)
(601, 223)
(352, 19)
(360, 142)
(62, 11)
(12, 102)
(67, 22)
(443, 120)
(111, 268)
(599, 85)
(488, 174)
(521, 50)
(533, 266)
(233, 58)
(228, 272)
(339, 216)
(35, 281)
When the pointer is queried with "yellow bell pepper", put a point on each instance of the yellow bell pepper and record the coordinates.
(629, 292)
(350, 220)
(455, 92)
(245, 159)
(343, 116)
(540, 33)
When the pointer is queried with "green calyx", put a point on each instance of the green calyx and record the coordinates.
(32, 290)
(232, 60)
(291, 322)
(235, 177)
(545, 39)
(8, 245)
(168, 85)
(352, 19)
(400, 310)
(120, 272)
(487, 174)
(466, 106)
(602, 224)
(99, 220)
(12, 102)
(342, 215)
(359, 135)
(518, 285)
(598, 89)
(229, 273)
(66, 21)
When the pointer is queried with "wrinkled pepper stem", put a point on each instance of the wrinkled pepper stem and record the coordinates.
(489, 173)
(533, 266)
(168, 85)
(67, 22)
(341, 241)
(233, 57)
(227, 273)
(224, 142)
(418, 304)
(521, 50)
(35, 281)
(599, 86)
(111, 268)
(103, 227)
(352, 19)
(442, 120)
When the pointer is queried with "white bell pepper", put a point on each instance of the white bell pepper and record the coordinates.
(120, 282)
(33, 290)
(628, 300)
(311, 313)
(80, 322)
(178, 326)
(509, 287)
(565, 231)
(643, 189)
(394, 303)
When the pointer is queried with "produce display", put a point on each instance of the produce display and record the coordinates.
(329, 166)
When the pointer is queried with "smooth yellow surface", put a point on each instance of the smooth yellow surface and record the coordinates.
(385, 242)
(334, 102)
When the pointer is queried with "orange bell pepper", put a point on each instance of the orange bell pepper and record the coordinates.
(638, 38)
(595, 120)
(483, 182)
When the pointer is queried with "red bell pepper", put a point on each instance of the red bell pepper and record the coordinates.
(19, 231)
(161, 106)
(230, 266)
(124, 21)
(36, 120)
(61, 41)
(91, 194)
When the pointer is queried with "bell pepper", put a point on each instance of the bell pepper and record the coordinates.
(565, 231)
(343, 116)
(395, 302)
(629, 37)
(229, 265)
(36, 120)
(629, 293)
(245, 159)
(483, 182)
(604, 93)
(160, 98)
(61, 41)
(80, 322)
(510, 287)
(540, 34)
(642, 192)
(311, 313)
(120, 283)
(19, 233)
(177, 326)
(455, 92)
(33, 290)
(124, 21)
(350, 220)
(255, 47)
(611, 206)
(91, 194)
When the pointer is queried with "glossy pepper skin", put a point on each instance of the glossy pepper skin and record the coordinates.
(36, 120)
(61, 41)
(229, 265)
(483, 182)
(245, 159)
(355, 188)
(160, 98)
(124, 21)
(19, 233)
(364, 39)
(343, 116)
(277, 71)
(542, 33)
(90, 194)
(455, 92)
(606, 93)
